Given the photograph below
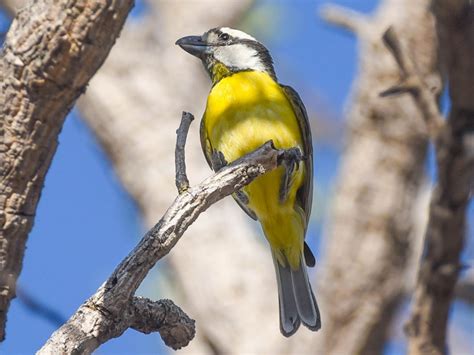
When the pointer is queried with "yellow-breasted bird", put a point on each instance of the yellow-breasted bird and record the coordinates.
(247, 107)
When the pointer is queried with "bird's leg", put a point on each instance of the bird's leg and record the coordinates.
(218, 161)
(290, 160)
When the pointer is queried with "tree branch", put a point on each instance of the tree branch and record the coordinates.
(345, 18)
(182, 182)
(47, 60)
(112, 309)
(445, 233)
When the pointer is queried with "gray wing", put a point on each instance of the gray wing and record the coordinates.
(304, 196)
(208, 152)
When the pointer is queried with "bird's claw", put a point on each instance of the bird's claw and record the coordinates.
(291, 157)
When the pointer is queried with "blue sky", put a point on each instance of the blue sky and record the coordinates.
(86, 223)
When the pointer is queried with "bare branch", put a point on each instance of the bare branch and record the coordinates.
(345, 18)
(111, 310)
(412, 82)
(404, 61)
(46, 62)
(182, 182)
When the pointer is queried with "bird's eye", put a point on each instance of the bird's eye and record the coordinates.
(224, 36)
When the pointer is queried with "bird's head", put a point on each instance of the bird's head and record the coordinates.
(225, 51)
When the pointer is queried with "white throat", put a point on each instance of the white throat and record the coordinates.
(239, 56)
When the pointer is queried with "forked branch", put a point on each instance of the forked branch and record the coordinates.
(114, 308)
(412, 82)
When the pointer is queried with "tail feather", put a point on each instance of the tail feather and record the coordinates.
(296, 299)
(289, 319)
(304, 298)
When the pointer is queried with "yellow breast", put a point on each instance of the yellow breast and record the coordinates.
(247, 109)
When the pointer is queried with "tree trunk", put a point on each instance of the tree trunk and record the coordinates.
(47, 60)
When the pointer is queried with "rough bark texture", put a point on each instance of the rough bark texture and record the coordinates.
(112, 309)
(223, 271)
(95, 322)
(47, 60)
(455, 159)
(372, 229)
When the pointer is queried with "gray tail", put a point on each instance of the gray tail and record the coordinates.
(296, 299)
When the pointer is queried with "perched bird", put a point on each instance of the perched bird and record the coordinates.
(247, 107)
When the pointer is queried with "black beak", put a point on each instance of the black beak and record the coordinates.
(193, 45)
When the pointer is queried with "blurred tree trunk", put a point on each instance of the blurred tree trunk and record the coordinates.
(222, 270)
(444, 240)
(373, 228)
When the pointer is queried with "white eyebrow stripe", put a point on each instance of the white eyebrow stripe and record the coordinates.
(237, 33)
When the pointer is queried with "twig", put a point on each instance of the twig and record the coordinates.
(113, 308)
(412, 82)
(345, 18)
(182, 182)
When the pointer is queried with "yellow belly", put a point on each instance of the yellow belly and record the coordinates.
(243, 112)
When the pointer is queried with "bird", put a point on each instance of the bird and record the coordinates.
(247, 107)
